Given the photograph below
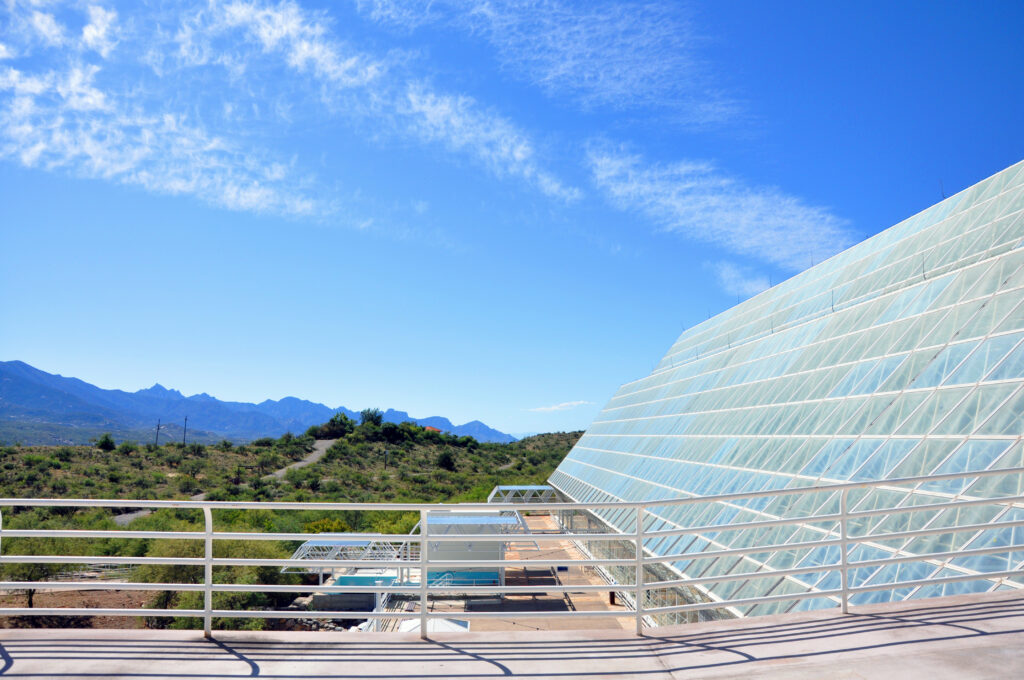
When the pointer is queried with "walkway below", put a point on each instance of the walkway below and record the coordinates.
(978, 636)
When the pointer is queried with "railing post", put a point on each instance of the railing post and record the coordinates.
(424, 549)
(639, 578)
(844, 536)
(208, 575)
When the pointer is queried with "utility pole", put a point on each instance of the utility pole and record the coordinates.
(156, 442)
(385, 459)
(184, 431)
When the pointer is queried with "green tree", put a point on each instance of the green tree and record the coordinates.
(374, 416)
(446, 461)
(338, 426)
(392, 433)
(255, 550)
(191, 467)
(27, 571)
(106, 442)
(327, 525)
(268, 460)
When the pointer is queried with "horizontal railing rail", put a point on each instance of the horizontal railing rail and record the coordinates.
(626, 560)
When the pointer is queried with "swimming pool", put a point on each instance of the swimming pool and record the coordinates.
(464, 578)
(454, 578)
(364, 580)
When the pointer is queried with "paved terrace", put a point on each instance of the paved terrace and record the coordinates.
(964, 637)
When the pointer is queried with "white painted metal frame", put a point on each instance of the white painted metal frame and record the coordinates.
(642, 558)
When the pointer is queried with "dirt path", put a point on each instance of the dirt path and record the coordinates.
(320, 447)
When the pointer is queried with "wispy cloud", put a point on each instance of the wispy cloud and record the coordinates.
(169, 102)
(386, 94)
(739, 280)
(461, 125)
(301, 37)
(564, 406)
(63, 121)
(620, 55)
(699, 201)
(389, 95)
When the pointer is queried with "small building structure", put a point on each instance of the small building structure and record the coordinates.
(523, 493)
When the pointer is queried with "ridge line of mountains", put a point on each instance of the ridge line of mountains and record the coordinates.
(38, 408)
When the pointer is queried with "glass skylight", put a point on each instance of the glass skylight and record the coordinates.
(902, 356)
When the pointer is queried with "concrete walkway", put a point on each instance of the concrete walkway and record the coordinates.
(961, 638)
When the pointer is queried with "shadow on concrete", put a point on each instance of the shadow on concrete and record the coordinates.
(681, 651)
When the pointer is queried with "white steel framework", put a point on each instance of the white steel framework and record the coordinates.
(844, 536)
(902, 356)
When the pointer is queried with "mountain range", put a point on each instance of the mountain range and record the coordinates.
(37, 407)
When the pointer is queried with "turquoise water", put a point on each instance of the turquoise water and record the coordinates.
(465, 578)
(455, 578)
(364, 580)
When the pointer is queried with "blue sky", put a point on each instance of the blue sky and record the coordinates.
(488, 209)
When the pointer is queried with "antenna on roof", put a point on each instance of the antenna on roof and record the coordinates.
(942, 189)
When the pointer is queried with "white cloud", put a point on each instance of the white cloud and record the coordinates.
(21, 84)
(394, 101)
(224, 70)
(96, 35)
(64, 121)
(699, 201)
(405, 13)
(740, 281)
(461, 125)
(78, 91)
(564, 406)
(301, 37)
(47, 28)
(620, 55)
(6, 52)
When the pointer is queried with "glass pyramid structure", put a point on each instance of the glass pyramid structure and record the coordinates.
(902, 356)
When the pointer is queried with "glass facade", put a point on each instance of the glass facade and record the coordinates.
(902, 356)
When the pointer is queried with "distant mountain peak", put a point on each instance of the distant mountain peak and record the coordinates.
(158, 390)
(76, 409)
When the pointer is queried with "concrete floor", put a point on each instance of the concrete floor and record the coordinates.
(964, 637)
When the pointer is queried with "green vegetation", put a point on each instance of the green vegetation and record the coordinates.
(373, 461)
(142, 472)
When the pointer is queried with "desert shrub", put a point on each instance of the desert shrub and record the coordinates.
(446, 461)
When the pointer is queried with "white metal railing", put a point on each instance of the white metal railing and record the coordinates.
(637, 558)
